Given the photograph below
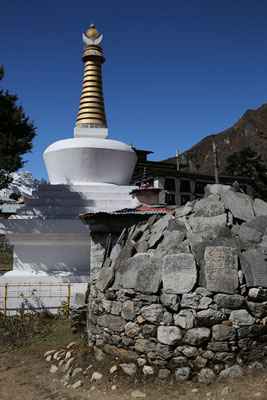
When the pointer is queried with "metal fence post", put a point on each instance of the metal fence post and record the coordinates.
(5, 300)
(68, 299)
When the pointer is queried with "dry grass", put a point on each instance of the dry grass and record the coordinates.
(6, 262)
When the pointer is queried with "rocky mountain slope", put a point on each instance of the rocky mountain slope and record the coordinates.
(249, 131)
(23, 182)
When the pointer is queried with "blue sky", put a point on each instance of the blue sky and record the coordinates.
(175, 71)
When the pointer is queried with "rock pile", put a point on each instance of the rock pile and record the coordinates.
(187, 291)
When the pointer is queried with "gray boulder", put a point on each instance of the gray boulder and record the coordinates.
(170, 335)
(223, 333)
(186, 319)
(239, 204)
(233, 372)
(210, 317)
(241, 318)
(260, 207)
(197, 336)
(232, 301)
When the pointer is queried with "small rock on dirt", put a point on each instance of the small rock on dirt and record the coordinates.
(138, 393)
(96, 376)
(71, 345)
(53, 369)
(48, 353)
(129, 369)
(77, 384)
(163, 373)
(113, 369)
(147, 370)
(226, 390)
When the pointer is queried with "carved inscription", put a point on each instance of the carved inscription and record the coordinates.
(221, 269)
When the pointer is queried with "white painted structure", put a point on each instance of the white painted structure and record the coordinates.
(88, 173)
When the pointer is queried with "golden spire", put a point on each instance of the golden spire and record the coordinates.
(92, 111)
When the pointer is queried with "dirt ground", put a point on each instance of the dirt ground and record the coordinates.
(24, 375)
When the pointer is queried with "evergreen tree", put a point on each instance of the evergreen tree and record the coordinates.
(16, 134)
(249, 164)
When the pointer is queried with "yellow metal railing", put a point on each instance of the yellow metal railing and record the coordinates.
(33, 288)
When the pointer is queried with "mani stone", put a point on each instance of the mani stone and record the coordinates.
(170, 335)
(210, 210)
(259, 223)
(198, 224)
(239, 204)
(141, 272)
(221, 269)
(254, 267)
(179, 273)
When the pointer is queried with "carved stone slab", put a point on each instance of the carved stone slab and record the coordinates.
(221, 269)
(179, 273)
(141, 272)
(254, 267)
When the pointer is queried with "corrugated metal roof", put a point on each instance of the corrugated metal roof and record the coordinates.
(138, 211)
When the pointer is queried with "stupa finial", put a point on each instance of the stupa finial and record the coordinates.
(91, 113)
(92, 32)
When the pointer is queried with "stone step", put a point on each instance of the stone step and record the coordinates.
(76, 202)
(75, 211)
(93, 187)
(78, 195)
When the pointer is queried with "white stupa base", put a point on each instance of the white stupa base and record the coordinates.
(51, 245)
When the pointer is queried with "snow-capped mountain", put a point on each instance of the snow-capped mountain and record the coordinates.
(23, 182)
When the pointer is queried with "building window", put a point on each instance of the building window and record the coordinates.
(170, 198)
(184, 199)
(151, 181)
(185, 186)
(169, 184)
(200, 186)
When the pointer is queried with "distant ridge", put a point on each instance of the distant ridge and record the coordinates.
(249, 131)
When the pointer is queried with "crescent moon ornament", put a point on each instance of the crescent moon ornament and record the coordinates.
(89, 42)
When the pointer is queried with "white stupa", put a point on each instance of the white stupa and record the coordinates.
(88, 173)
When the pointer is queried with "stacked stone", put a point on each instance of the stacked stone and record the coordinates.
(187, 291)
(5, 247)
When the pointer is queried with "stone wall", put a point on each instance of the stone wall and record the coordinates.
(187, 291)
(5, 247)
